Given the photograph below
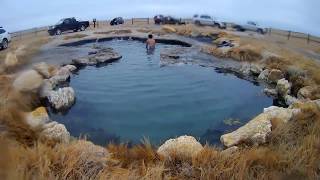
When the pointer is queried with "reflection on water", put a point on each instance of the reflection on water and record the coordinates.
(135, 98)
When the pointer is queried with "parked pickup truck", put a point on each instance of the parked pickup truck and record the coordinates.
(68, 24)
(208, 21)
(250, 26)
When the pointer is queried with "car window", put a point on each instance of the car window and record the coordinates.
(205, 17)
(2, 31)
(195, 16)
(67, 21)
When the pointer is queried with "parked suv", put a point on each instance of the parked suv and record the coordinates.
(68, 24)
(5, 38)
(158, 19)
(117, 21)
(172, 20)
(250, 26)
(207, 21)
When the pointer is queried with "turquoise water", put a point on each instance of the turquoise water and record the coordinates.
(135, 98)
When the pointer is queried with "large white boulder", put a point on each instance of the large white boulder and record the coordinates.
(37, 118)
(63, 98)
(28, 81)
(56, 131)
(283, 87)
(183, 146)
(258, 129)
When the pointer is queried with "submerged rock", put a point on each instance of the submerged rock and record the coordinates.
(63, 98)
(38, 117)
(183, 146)
(102, 55)
(258, 129)
(56, 131)
(28, 81)
(283, 87)
(177, 55)
(275, 75)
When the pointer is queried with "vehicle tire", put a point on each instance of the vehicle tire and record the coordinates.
(218, 26)
(197, 23)
(260, 31)
(5, 44)
(82, 28)
(75, 30)
(58, 32)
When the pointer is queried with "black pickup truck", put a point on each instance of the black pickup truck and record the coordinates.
(68, 24)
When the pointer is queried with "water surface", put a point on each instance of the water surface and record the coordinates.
(135, 98)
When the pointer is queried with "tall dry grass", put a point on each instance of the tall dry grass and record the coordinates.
(292, 152)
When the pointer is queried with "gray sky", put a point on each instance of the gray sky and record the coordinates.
(296, 15)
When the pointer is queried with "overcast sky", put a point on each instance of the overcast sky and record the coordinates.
(296, 15)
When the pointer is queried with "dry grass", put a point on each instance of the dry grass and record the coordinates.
(292, 152)
(76, 36)
(121, 31)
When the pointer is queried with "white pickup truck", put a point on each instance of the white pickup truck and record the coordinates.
(5, 38)
(250, 26)
(207, 21)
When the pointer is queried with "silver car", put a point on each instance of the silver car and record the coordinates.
(207, 21)
(250, 26)
(5, 38)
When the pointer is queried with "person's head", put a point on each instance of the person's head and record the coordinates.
(150, 36)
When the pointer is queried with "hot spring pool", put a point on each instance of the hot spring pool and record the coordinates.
(135, 98)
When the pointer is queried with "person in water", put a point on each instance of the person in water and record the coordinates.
(150, 43)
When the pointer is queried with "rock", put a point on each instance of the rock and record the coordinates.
(270, 92)
(255, 69)
(81, 61)
(258, 129)
(56, 131)
(290, 100)
(28, 81)
(254, 132)
(275, 75)
(283, 87)
(183, 146)
(63, 98)
(245, 69)
(70, 67)
(169, 29)
(46, 87)
(230, 150)
(44, 69)
(38, 117)
(284, 114)
(264, 75)
(62, 75)
(309, 93)
(102, 55)
(105, 55)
